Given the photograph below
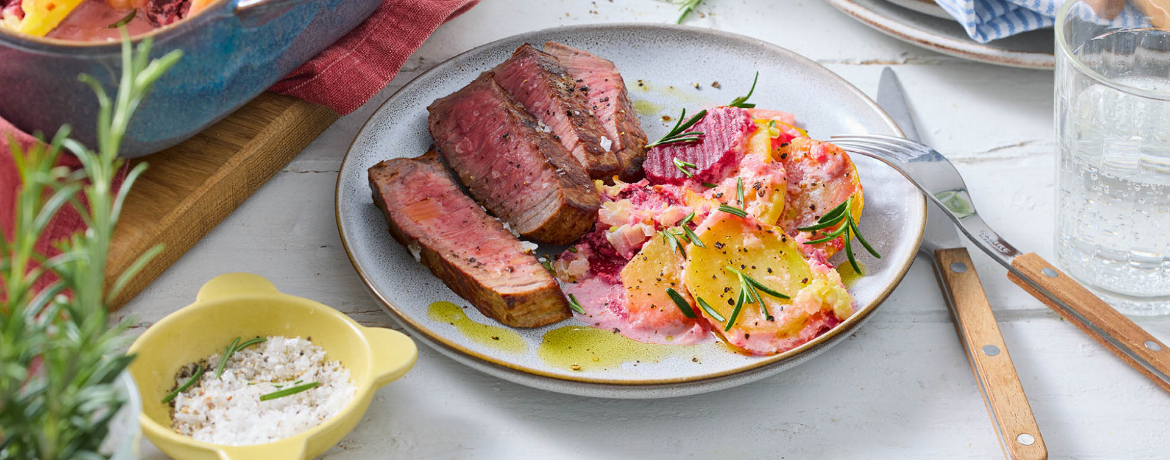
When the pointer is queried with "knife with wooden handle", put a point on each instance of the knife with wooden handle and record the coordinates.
(1007, 405)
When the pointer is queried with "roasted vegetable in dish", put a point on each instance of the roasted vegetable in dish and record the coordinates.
(93, 20)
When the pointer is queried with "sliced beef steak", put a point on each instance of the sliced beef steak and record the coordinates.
(539, 83)
(469, 250)
(725, 134)
(607, 97)
(518, 172)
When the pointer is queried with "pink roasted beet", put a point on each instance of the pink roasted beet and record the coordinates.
(725, 133)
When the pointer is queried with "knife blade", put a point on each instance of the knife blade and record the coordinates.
(891, 99)
(1003, 395)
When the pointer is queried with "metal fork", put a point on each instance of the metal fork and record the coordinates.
(932, 173)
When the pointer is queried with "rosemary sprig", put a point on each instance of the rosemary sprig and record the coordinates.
(741, 101)
(681, 303)
(841, 213)
(683, 165)
(709, 310)
(686, 8)
(679, 132)
(749, 293)
(672, 239)
(732, 210)
(692, 237)
(232, 349)
(125, 20)
(687, 219)
(758, 285)
(575, 305)
(289, 391)
(191, 381)
(61, 355)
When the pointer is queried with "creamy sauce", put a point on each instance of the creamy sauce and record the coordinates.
(493, 336)
(582, 348)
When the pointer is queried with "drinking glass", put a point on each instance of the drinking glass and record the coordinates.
(1113, 156)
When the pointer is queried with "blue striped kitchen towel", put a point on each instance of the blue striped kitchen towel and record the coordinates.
(987, 20)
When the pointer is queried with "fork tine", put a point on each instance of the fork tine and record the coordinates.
(889, 150)
(900, 142)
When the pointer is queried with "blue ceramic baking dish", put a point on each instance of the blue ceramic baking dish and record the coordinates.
(232, 50)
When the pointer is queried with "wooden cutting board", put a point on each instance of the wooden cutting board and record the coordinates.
(190, 188)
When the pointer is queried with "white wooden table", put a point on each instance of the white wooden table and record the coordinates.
(899, 388)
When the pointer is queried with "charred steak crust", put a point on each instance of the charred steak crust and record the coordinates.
(471, 252)
(518, 172)
(609, 101)
(545, 89)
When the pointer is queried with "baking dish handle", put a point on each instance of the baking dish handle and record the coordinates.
(258, 12)
(392, 354)
(230, 285)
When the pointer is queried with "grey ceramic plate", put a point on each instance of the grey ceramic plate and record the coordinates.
(659, 63)
(1032, 50)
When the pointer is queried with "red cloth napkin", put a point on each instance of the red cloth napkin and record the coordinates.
(343, 77)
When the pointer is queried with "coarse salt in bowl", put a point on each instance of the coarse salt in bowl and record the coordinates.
(246, 305)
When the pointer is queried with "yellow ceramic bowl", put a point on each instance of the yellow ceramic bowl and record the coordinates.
(247, 305)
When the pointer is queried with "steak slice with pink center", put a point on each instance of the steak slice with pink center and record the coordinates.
(539, 83)
(519, 173)
(469, 250)
(725, 133)
(598, 79)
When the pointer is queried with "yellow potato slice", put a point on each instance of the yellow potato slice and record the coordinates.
(42, 16)
(764, 253)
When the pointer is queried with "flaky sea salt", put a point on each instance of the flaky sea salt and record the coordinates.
(228, 411)
(606, 143)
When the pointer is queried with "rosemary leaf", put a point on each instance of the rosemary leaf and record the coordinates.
(735, 312)
(683, 165)
(693, 237)
(739, 190)
(686, 8)
(732, 210)
(741, 101)
(575, 305)
(124, 20)
(857, 233)
(681, 303)
(709, 185)
(687, 219)
(289, 391)
(710, 311)
(227, 354)
(185, 385)
(679, 132)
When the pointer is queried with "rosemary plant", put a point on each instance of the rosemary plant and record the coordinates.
(59, 356)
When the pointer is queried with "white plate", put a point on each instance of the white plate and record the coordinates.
(921, 24)
(668, 60)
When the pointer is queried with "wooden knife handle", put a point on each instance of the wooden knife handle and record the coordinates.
(988, 355)
(1092, 315)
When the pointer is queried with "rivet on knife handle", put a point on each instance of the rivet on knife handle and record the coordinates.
(988, 355)
(1112, 329)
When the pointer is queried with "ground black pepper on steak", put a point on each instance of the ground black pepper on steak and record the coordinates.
(470, 251)
(610, 103)
(518, 172)
(545, 89)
